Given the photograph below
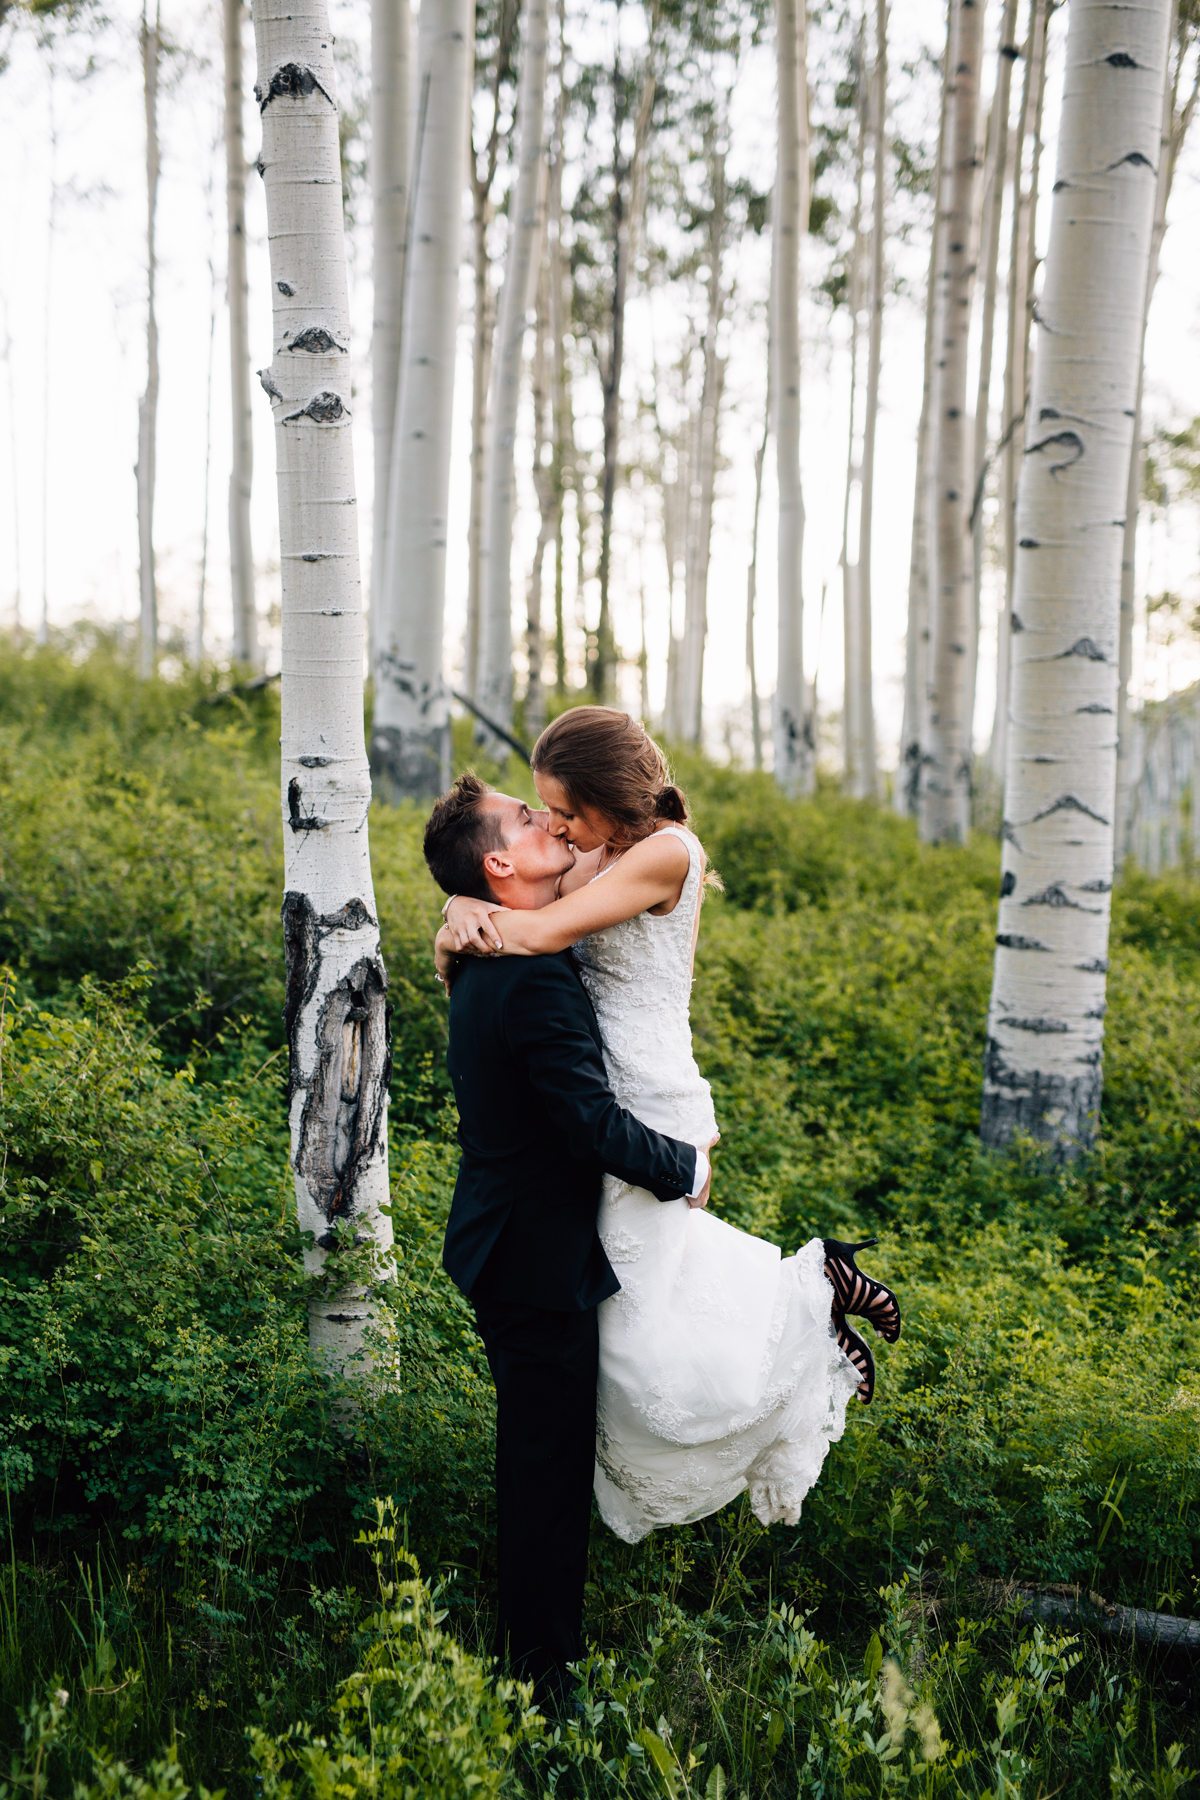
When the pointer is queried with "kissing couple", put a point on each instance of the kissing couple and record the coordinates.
(640, 1346)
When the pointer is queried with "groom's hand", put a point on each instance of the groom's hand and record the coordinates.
(701, 1198)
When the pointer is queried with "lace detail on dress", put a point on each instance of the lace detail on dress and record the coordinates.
(719, 1367)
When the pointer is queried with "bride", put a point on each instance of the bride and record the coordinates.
(724, 1366)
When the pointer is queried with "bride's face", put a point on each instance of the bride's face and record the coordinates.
(583, 829)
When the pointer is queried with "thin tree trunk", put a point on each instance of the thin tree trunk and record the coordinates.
(760, 456)
(695, 624)
(913, 731)
(853, 748)
(391, 148)
(410, 740)
(241, 555)
(993, 207)
(548, 502)
(335, 998)
(482, 184)
(1042, 1063)
(604, 653)
(1016, 369)
(866, 515)
(945, 801)
(148, 405)
(494, 682)
(1176, 124)
(563, 433)
(795, 741)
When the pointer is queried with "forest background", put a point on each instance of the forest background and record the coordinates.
(228, 1567)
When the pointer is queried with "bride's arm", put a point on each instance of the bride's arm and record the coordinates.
(648, 875)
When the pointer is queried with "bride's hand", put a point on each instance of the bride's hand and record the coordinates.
(444, 959)
(701, 1198)
(469, 923)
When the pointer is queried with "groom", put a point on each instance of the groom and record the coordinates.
(538, 1126)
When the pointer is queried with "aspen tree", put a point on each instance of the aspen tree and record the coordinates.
(1177, 119)
(944, 814)
(699, 549)
(410, 737)
(148, 404)
(494, 681)
(241, 553)
(549, 501)
(993, 207)
(853, 747)
(391, 149)
(794, 738)
(760, 456)
(1042, 1063)
(866, 779)
(1021, 268)
(335, 1007)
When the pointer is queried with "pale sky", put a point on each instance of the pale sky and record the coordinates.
(72, 333)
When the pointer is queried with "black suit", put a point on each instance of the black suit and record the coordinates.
(538, 1126)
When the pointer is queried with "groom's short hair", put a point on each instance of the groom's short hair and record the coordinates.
(459, 834)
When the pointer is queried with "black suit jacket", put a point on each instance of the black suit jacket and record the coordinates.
(539, 1125)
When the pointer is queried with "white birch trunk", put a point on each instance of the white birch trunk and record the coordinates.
(944, 814)
(335, 1003)
(1016, 369)
(541, 381)
(906, 793)
(148, 404)
(867, 783)
(1042, 1066)
(699, 551)
(1176, 124)
(391, 149)
(993, 207)
(760, 457)
(494, 685)
(852, 747)
(410, 738)
(793, 730)
(241, 553)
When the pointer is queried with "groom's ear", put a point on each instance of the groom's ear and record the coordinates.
(497, 868)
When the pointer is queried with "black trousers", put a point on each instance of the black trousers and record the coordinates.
(544, 1365)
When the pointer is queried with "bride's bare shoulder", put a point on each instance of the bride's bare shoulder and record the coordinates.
(663, 852)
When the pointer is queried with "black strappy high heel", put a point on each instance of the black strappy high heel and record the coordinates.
(856, 1351)
(859, 1294)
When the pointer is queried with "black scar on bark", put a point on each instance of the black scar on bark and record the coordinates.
(317, 340)
(1135, 159)
(1065, 440)
(1008, 882)
(1040, 1027)
(324, 408)
(1120, 59)
(1099, 886)
(1028, 544)
(1096, 706)
(1011, 940)
(1098, 965)
(268, 384)
(346, 1098)
(1068, 803)
(291, 82)
(314, 762)
(1056, 895)
(1058, 1111)
(1084, 646)
(285, 287)
(1016, 623)
(296, 819)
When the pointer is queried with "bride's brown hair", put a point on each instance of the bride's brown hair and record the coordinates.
(608, 763)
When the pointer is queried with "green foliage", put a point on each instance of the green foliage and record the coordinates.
(183, 1498)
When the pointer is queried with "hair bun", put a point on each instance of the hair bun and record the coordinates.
(669, 803)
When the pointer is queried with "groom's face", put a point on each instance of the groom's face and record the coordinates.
(525, 873)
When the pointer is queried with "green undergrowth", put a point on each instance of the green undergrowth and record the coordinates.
(198, 1589)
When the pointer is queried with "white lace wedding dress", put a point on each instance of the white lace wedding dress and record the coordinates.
(719, 1367)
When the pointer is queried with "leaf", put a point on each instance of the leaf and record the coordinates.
(717, 1786)
(661, 1757)
(775, 1731)
(873, 1660)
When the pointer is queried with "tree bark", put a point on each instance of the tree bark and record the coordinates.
(993, 207)
(699, 550)
(760, 456)
(482, 183)
(867, 782)
(793, 731)
(335, 1000)
(148, 404)
(494, 682)
(945, 798)
(391, 149)
(241, 553)
(852, 749)
(914, 729)
(1016, 372)
(410, 739)
(1042, 1063)
(604, 654)
(1176, 124)
(549, 506)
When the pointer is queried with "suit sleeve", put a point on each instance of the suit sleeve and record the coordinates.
(550, 1025)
